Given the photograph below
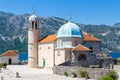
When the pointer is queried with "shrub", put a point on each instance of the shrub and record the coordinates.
(112, 74)
(107, 78)
(65, 73)
(0, 65)
(3, 65)
(83, 74)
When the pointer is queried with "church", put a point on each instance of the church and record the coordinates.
(70, 43)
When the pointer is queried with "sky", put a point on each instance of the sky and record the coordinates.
(81, 11)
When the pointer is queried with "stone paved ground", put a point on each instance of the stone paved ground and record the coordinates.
(31, 74)
(36, 74)
(4, 75)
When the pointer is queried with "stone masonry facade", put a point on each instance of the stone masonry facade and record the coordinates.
(94, 73)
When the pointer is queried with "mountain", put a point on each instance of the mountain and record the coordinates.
(109, 35)
(14, 28)
(117, 24)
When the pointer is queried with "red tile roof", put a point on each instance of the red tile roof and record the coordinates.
(10, 53)
(90, 37)
(80, 47)
(49, 38)
(53, 37)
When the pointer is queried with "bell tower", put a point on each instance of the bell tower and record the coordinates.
(33, 38)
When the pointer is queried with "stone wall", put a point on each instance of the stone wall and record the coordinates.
(95, 45)
(94, 73)
(99, 63)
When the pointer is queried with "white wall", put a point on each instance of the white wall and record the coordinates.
(59, 56)
(64, 42)
(69, 41)
(68, 55)
(13, 58)
(46, 52)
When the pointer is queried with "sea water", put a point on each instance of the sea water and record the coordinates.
(115, 54)
(23, 56)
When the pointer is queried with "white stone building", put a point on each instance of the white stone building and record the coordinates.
(69, 44)
(10, 57)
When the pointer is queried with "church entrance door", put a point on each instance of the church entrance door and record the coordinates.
(44, 63)
(9, 61)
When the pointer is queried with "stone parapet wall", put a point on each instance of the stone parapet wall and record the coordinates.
(94, 73)
(98, 63)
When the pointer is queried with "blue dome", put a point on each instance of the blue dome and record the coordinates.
(69, 30)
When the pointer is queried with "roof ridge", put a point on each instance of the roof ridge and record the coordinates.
(83, 48)
(49, 38)
(10, 53)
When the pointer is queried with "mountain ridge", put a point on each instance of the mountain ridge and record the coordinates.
(13, 34)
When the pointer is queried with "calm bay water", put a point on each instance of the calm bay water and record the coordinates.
(23, 56)
(115, 54)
